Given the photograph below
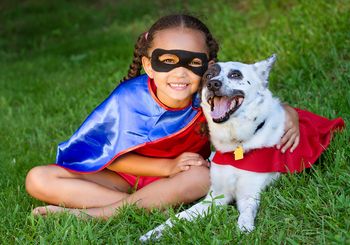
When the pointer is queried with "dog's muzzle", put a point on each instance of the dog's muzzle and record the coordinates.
(222, 107)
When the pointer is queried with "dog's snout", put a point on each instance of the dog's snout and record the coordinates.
(214, 85)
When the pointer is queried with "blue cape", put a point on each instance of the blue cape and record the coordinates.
(129, 118)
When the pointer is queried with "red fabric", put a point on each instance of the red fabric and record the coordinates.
(190, 140)
(315, 136)
(137, 182)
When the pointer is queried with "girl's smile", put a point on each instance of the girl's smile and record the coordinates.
(178, 86)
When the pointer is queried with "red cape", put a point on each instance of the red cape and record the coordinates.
(315, 136)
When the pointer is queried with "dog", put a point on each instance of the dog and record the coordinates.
(243, 117)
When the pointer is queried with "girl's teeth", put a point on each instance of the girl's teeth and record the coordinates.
(178, 85)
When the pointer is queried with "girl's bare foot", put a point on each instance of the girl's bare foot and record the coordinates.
(51, 209)
(44, 210)
(80, 213)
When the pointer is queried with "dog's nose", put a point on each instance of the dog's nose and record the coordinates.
(214, 85)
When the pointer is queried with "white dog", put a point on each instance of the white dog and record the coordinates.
(242, 115)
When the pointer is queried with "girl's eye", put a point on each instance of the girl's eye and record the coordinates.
(235, 74)
(196, 63)
(169, 59)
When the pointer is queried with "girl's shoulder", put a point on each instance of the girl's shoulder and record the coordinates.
(135, 92)
(138, 82)
(131, 88)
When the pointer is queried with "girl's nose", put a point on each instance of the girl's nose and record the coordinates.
(180, 71)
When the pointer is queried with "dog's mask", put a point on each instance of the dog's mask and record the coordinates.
(227, 85)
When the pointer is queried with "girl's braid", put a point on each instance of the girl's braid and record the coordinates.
(213, 47)
(136, 65)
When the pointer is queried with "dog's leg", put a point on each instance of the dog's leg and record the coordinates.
(247, 206)
(199, 209)
(248, 197)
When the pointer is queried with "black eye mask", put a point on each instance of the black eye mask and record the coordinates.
(185, 59)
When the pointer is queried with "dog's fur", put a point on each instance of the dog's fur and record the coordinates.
(254, 119)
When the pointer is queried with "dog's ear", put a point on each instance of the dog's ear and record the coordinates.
(263, 68)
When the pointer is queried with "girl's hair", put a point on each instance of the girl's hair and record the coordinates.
(144, 41)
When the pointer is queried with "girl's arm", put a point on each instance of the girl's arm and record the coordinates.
(139, 165)
(291, 136)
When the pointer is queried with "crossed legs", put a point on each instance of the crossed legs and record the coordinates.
(101, 194)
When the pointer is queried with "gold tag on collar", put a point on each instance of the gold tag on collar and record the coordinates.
(239, 153)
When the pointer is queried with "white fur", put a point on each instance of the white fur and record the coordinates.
(233, 183)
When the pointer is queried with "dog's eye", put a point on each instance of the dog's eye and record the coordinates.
(209, 76)
(235, 74)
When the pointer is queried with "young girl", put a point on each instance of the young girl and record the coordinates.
(146, 135)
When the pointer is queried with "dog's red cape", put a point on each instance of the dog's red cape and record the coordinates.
(315, 136)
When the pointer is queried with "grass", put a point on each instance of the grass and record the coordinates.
(58, 60)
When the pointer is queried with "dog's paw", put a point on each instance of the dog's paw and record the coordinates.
(246, 223)
(153, 235)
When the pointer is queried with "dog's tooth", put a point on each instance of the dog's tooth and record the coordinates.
(211, 103)
(233, 104)
(240, 100)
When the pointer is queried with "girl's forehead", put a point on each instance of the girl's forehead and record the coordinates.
(180, 38)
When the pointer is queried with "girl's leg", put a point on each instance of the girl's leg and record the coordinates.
(55, 185)
(184, 187)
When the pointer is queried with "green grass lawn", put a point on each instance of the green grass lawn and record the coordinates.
(59, 59)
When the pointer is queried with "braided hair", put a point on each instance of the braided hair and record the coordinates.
(144, 41)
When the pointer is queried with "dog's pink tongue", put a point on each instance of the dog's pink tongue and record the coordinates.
(221, 106)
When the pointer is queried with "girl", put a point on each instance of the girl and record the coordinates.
(145, 135)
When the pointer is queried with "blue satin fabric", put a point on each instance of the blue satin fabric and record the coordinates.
(128, 118)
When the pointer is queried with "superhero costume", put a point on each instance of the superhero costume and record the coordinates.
(133, 119)
(315, 136)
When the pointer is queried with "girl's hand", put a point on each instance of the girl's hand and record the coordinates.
(184, 161)
(291, 136)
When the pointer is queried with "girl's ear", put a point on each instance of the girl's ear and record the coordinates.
(146, 63)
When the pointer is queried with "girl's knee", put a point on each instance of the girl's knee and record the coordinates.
(196, 184)
(37, 180)
(200, 175)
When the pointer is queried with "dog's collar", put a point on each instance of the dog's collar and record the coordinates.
(259, 126)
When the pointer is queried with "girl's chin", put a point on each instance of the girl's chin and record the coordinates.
(180, 101)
